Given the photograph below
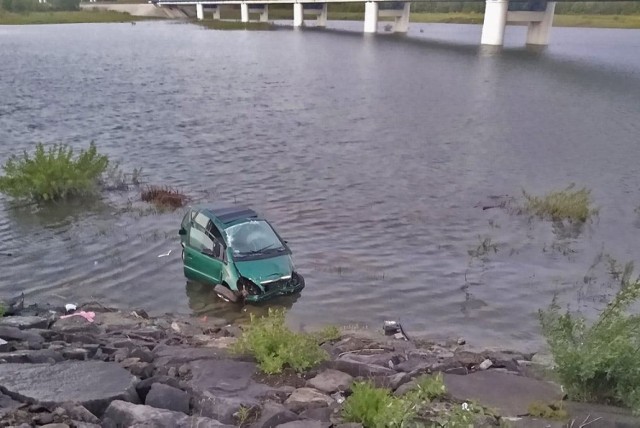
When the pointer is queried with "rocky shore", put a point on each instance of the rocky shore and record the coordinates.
(102, 367)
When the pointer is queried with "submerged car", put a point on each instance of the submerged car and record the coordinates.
(238, 252)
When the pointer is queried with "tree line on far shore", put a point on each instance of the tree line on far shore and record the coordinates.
(21, 6)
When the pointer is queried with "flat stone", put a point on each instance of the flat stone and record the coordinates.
(92, 384)
(404, 388)
(80, 354)
(222, 408)
(75, 324)
(24, 322)
(144, 355)
(123, 414)
(485, 364)
(274, 414)
(330, 381)
(14, 333)
(79, 413)
(34, 357)
(357, 369)
(322, 414)
(177, 355)
(221, 377)
(307, 398)
(7, 404)
(144, 386)
(55, 426)
(391, 382)
(611, 417)
(510, 394)
(166, 397)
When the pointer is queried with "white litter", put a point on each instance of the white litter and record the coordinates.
(165, 254)
(70, 307)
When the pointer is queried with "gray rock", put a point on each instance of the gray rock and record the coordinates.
(34, 357)
(142, 370)
(166, 397)
(144, 386)
(355, 368)
(222, 377)
(511, 395)
(457, 371)
(24, 322)
(485, 364)
(349, 425)
(307, 398)
(330, 381)
(391, 382)
(274, 414)
(80, 354)
(222, 408)
(14, 333)
(142, 354)
(55, 426)
(92, 384)
(305, 424)
(44, 418)
(79, 413)
(7, 404)
(79, 424)
(76, 324)
(322, 414)
(177, 355)
(403, 389)
(123, 414)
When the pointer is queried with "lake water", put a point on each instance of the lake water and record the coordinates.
(372, 156)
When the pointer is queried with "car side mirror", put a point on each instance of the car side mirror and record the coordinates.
(182, 232)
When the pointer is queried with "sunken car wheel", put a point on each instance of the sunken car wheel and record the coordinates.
(225, 293)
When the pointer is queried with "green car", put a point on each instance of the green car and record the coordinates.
(238, 253)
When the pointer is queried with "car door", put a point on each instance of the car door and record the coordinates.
(203, 255)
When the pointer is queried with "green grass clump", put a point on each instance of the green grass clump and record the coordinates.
(599, 362)
(376, 407)
(554, 411)
(53, 174)
(328, 334)
(567, 204)
(66, 17)
(275, 346)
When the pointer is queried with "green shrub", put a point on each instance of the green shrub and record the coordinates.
(428, 388)
(599, 362)
(275, 346)
(567, 204)
(376, 407)
(53, 174)
(554, 411)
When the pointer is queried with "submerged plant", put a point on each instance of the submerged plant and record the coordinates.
(599, 362)
(164, 197)
(567, 204)
(53, 174)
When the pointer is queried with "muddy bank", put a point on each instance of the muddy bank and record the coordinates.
(109, 368)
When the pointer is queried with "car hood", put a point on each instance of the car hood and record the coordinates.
(266, 269)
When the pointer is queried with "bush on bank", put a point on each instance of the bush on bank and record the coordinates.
(600, 361)
(53, 174)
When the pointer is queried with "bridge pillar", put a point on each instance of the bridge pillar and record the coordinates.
(402, 22)
(264, 15)
(216, 12)
(538, 32)
(244, 12)
(322, 17)
(371, 17)
(298, 15)
(495, 21)
(199, 11)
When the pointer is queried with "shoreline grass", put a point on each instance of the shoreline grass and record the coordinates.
(66, 17)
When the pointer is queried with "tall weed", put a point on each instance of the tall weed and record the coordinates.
(53, 174)
(599, 361)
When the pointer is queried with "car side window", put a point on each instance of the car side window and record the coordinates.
(203, 242)
(214, 231)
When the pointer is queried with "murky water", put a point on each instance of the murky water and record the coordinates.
(373, 156)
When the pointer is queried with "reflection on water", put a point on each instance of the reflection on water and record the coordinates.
(370, 155)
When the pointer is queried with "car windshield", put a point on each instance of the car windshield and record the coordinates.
(252, 237)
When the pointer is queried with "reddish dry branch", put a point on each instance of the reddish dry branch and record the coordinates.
(164, 196)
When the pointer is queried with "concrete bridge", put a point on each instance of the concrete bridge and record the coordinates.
(536, 14)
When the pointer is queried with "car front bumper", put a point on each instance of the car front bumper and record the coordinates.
(280, 291)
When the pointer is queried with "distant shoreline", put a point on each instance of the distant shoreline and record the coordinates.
(102, 16)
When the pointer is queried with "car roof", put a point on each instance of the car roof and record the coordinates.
(227, 214)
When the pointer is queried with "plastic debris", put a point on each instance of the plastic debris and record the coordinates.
(89, 316)
(70, 307)
(165, 254)
(175, 327)
(394, 328)
(339, 397)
